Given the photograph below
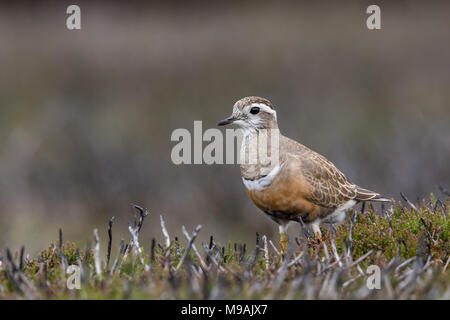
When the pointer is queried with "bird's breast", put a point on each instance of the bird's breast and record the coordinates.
(280, 191)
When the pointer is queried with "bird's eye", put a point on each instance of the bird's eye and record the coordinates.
(254, 110)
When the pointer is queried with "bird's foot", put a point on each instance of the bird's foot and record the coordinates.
(318, 238)
(317, 233)
(315, 239)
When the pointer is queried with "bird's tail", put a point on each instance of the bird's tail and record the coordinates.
(367, 195)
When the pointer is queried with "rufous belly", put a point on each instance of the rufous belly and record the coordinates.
(288, 198)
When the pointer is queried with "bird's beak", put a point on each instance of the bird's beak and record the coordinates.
(226, 121)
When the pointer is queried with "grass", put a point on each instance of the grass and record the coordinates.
(409, 244)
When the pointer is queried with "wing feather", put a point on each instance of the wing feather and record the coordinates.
(330, 188)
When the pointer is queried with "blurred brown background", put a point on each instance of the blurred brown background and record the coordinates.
(86, 116)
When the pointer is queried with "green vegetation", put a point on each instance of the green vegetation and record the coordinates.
(410, 245)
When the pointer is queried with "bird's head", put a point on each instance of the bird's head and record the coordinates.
(252, 114)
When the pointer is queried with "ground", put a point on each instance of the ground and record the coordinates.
(408, 244)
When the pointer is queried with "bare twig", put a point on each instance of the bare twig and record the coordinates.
(137, 250)
(389, 217)
(363, 207)
(327, 255)
(108, 253)
(404, 264)
(116, 262)
(142, 214)
(61, 253)
(362, 258)
(11, 260)
(383, 209)
(252, 262)
(194, 248)
(211, 257)
(164, 231)
(348, 282)
(188, 248)
(98, 269)
(22, 251)
(152, 257)
(427, 230)
(446, 265)
(17, 278)
(296, 259)
(333, 247)
(278, 280)
(407, 201)
(274, 248)
(266, 252)
(439, 202)
(350, 237)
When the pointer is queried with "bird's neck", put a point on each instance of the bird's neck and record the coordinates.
(260, 152)
(257, 130)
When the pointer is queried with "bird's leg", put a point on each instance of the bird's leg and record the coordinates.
(316, 230)
(283, 242)
(283, 238)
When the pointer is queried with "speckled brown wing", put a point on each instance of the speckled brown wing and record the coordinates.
(329, 187)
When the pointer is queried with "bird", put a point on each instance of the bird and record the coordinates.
(301, 186)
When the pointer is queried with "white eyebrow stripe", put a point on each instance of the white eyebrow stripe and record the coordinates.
(264, 108)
